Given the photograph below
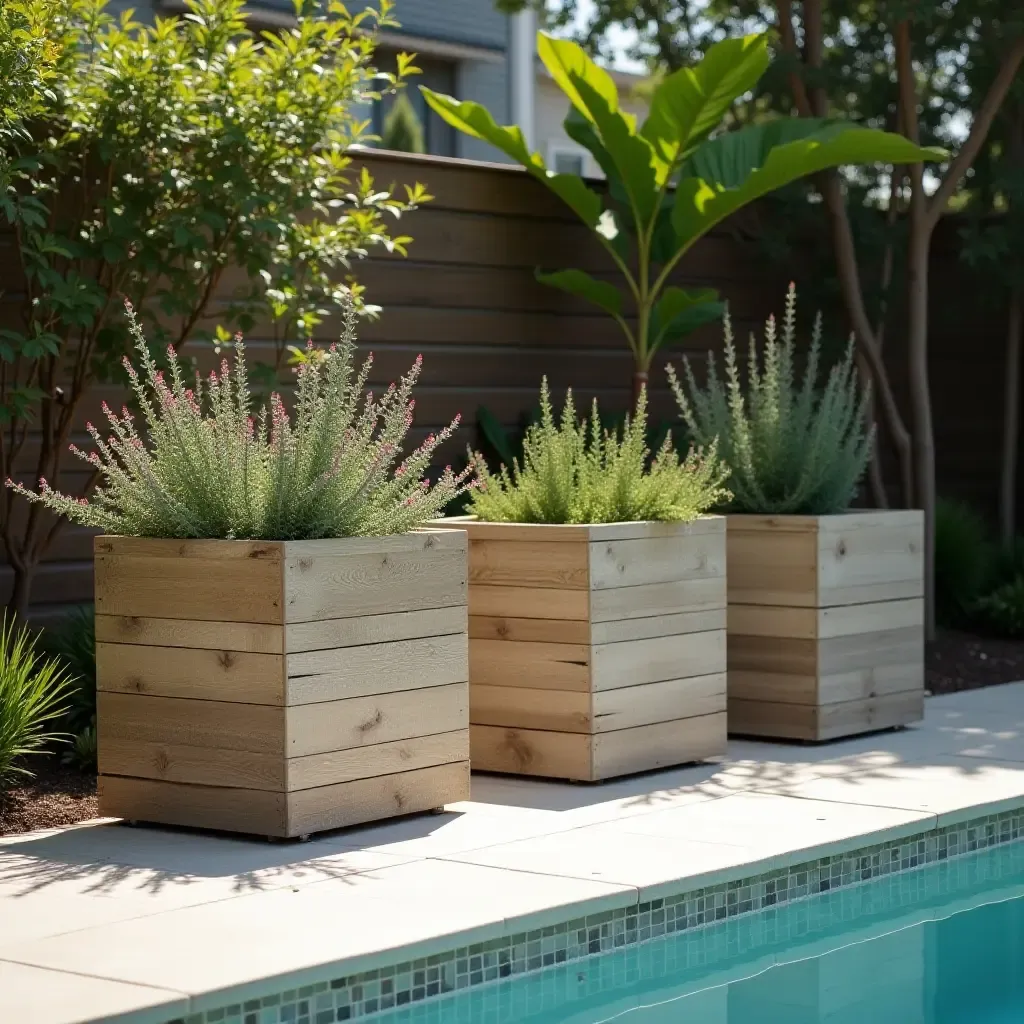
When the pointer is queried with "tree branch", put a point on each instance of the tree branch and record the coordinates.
(788, 36)
(980, 126)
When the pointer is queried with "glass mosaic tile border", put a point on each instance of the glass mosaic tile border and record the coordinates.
(368, 995)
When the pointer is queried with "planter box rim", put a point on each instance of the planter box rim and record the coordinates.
(758, 520)
(469, 521)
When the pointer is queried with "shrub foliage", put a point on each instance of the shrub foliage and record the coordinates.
(33, 696)
(791, 448)
(206, 467)
(574, 471)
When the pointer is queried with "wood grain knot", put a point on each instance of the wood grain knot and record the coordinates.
(399, 800)
(841, 548)
(372, 723)
(502, 629)
(136, 683)
(261, 553)
(161, 761)
(305, 564)
(520, 750)
(226, 659)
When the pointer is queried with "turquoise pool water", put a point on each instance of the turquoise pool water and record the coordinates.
(939, 945)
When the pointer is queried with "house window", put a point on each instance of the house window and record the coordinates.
(566, 161)
(438, 75)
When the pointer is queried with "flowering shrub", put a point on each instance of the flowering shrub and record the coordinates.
(792, 449)
(208, 468)
(575, 472)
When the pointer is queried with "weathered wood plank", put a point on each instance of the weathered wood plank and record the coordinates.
(658, 658)
(378, 718)
(648, 747)
(528, 602)
(427, 571)
(385, 627)
(662, 559)
(657, 599)
(254, 811)
(354, 803)
(523, 707)
(555, 755)
(618, 631)
(250, 637)
(197, 766)
(338, 766)
(546, 666)
(259, 728)
(183, 672)
(204, 550)
(506, 627)
(225, 590)
(666, 701)
(316, 676)
(524, 564)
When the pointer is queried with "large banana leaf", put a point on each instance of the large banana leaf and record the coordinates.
(690, 103)
(581, 284)
(595, 97)
(732, 170)
(476, 120)
(679, 312)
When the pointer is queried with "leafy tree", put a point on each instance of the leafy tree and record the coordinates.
(144, 162)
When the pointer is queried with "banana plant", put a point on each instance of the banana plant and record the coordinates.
(670, 180)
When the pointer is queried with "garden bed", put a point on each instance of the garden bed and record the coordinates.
(58, 795)
(965, 661)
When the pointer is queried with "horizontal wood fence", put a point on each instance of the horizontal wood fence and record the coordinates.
(466, 298)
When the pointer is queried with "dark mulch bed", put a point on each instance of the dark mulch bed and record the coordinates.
(58, 795)
(963, 661)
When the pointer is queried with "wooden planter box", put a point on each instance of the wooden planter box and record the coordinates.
(281, 688)
(826, 623)
(596, 651)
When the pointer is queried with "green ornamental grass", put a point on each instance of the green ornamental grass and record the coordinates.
(33, 696)
(792, 449)
(573, 471)
(205, 466)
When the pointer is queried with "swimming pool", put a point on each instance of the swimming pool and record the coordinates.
(942, 944)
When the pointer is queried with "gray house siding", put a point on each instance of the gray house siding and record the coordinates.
(471, 22)
(488, 84)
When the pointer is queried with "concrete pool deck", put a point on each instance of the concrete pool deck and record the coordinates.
(100, 922)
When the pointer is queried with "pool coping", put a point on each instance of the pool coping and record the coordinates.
(365, 986)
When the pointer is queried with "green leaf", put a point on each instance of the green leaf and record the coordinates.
(496, 435)
(475, 120)
(595, 97)
(679, 312)
(732, 170)
(691, 102)
(581, 284)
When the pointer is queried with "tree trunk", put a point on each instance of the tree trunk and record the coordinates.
(1011, 422)
(922, 429)
(17, 605)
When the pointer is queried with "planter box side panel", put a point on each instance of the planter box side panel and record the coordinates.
(359, 713)
(612, 633)
(844, 657)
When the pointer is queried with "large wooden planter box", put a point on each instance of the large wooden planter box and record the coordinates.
(826, 623)
(281, 688)
(596, 651)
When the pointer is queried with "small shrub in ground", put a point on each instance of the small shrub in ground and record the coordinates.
(73, 642)
(574, 471)
(83, 752)
(964, 561)
(206, 467)
(792, 448)
(1001, 611)
(34, 693)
